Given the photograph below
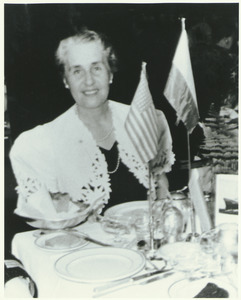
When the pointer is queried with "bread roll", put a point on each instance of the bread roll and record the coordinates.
(62, 241)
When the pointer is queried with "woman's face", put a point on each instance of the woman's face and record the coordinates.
(87, 74)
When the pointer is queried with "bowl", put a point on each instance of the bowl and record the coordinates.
(53, 219)
(58, 223)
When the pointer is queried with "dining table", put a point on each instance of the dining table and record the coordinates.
(40, 263)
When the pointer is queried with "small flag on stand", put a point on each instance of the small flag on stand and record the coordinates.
(141, 122)
(180, 88)
(181, 94)
(142, 127)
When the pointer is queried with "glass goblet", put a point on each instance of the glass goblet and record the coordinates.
(220, 248)
(208, 245)
(118, 226)
(227, 245)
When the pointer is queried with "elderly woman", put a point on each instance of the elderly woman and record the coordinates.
(84, 158)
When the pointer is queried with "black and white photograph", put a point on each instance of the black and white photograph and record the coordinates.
(121, 149)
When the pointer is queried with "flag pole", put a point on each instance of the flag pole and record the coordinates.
(151, 202)
(193, 223)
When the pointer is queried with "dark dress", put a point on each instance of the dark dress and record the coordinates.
(124, 185)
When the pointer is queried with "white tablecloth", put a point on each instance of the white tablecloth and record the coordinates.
(39, 263)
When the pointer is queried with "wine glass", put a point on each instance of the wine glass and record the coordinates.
(142, 228)
(119, 226)
(220, 248)
(210, 262)
(227, 245)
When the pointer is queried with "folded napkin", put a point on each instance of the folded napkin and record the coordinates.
(211, 290)
(40, 205)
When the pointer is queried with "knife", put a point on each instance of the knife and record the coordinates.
(140, 279)
(90, 239)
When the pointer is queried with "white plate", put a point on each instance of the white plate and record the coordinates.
(98, 265)
(127, 209)
(189, 289)
(61, 241)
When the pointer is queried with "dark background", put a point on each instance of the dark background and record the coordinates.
(139, 32)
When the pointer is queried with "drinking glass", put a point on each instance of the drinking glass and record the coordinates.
(119, 226)
(227, 245)
(141, 226)
(173, 224)
(210, 262)
(220, 248)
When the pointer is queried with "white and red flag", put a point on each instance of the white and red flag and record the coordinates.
(141, 123)
(180, 89)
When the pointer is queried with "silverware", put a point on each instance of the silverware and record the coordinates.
(90, 239)
(139, 279)
(155, 278)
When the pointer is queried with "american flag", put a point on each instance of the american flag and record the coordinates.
(141, 122)
(180, 89)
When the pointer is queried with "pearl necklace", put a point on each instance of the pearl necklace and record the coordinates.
(106, 136)
(97, 140)
(117, 165)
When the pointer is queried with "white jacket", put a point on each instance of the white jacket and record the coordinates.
(62, 156)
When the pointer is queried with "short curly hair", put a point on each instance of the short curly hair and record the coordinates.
(86, 35)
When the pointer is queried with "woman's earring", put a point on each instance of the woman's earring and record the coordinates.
(65, 84)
